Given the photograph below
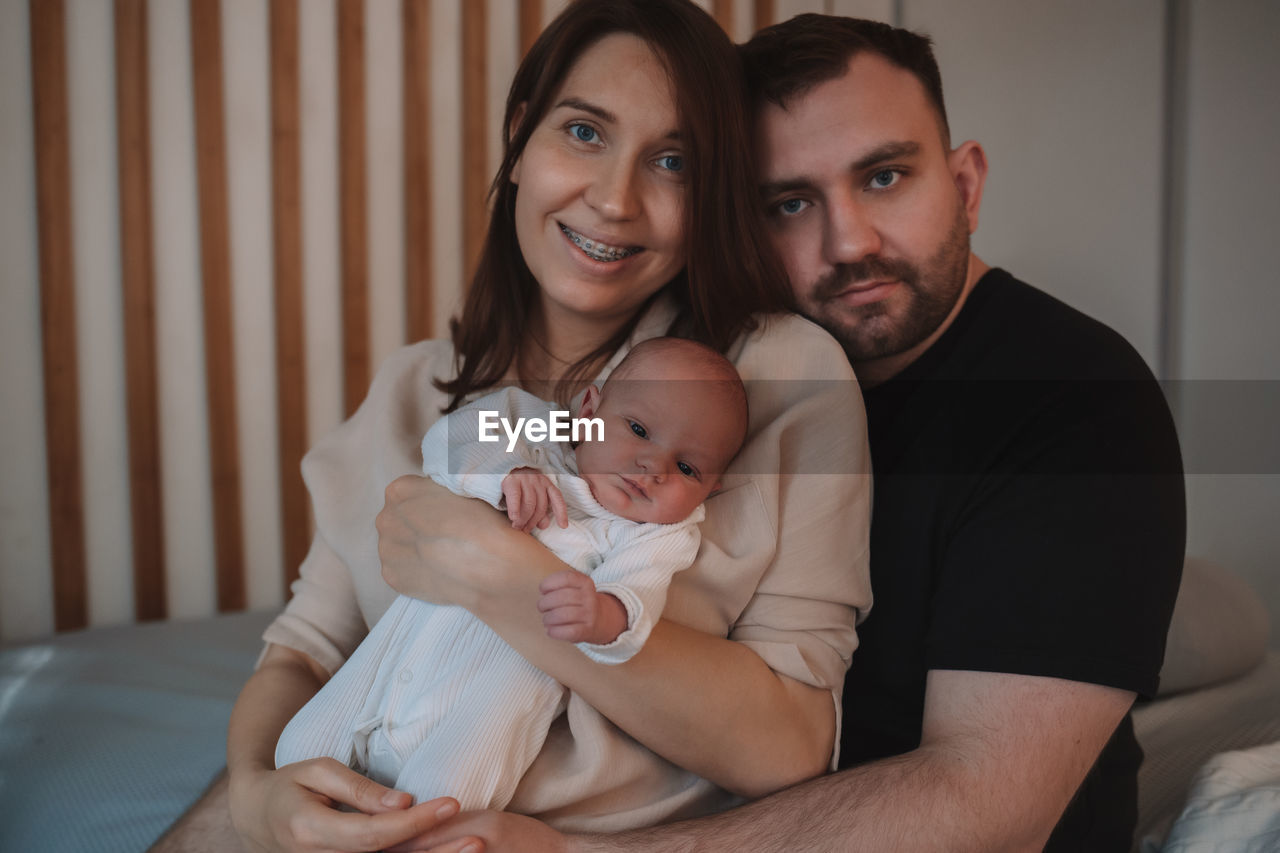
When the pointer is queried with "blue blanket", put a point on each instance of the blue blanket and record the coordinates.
(107, 735)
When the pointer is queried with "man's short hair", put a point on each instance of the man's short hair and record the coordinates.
(790, 58)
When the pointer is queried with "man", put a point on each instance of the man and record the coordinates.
(1029, 522)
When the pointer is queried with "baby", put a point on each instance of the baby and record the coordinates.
(433, 702)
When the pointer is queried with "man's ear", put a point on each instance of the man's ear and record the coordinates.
(516, 119)
(590, 402)
(968, 165)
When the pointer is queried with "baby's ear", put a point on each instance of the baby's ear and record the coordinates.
(590, 402)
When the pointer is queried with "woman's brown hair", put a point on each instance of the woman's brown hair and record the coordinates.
(730, 272)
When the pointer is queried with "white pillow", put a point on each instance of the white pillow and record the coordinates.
(1233, 807)
(1219, 629)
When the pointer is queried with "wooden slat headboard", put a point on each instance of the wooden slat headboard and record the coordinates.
(58, 312)
(293, 189)
(138, 280)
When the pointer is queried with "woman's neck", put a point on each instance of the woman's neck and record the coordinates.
(554, 344)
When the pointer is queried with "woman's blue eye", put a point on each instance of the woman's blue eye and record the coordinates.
(791, 206)
(884, 178)
(685, 468)
(638, 430)
(583, 132)
(672, 162)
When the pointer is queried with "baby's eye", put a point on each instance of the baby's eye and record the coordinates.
(686, 469)
(583, 132)
(638, 430)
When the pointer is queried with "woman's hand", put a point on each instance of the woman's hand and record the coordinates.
(295, 808)
(438, 547)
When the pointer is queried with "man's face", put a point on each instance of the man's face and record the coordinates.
(867, 209)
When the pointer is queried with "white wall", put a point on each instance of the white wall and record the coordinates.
(1066, 99)
(1230, 289)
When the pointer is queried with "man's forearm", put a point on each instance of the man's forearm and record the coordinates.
(916, 801)
(1000, 759)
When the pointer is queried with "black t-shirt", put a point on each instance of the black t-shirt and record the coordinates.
(1029, 518)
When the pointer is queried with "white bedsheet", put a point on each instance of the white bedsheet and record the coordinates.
(1233, 807)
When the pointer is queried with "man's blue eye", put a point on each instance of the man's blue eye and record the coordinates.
(685, 468)
(884, 178)
(583, 132)
(638, 430)
(672, 162)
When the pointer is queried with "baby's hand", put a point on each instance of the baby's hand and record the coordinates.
(532, 499)
(573, 610)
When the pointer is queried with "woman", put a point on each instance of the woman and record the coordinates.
(624, 209)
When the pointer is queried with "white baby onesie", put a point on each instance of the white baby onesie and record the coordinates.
(433, 702)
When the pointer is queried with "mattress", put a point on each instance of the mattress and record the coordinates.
(107, 735)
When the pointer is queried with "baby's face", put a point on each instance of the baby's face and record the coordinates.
(665, 445)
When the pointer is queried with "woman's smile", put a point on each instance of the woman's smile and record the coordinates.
(597, 249)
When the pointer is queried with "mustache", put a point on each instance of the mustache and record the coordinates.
(838, 280)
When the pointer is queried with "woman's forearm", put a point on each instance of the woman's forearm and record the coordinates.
(284, 682)
(268, 700)
(695, 700)
(692, 698)
(689, 696)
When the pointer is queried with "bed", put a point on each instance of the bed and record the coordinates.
(107, 734)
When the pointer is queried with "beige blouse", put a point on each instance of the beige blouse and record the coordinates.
(783, 566)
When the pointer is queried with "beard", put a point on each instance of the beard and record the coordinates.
(889, 327)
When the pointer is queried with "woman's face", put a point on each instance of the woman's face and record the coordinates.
(600, 186)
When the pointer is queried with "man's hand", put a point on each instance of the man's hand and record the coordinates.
(532, 500)
(574, 611)
(490, 832)
(295, 808)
